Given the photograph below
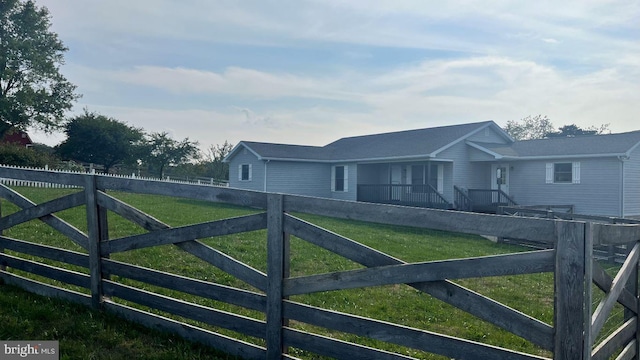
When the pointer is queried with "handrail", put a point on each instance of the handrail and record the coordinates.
(422, 195)
(437, 194)
(510, 200)
(462, 200)
(488, 200)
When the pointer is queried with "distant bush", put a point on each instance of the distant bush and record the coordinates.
(16, 155)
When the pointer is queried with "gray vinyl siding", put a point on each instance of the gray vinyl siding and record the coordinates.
(477, 155)
(244, 156)
(479, 176)
(597, 194)
(457, 170)
(352, 184)
(488, 135)
(632, 184)
(299, 178)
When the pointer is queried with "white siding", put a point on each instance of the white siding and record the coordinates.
(598, 192)
(632, 184)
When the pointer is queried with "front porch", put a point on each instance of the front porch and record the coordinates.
(481, 200)
(426, 196)
(430, 184)
(407, 195)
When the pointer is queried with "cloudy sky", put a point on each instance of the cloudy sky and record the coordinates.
(312, 71)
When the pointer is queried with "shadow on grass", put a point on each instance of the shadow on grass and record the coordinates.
(87, 334)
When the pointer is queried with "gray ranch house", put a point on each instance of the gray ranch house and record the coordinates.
(471, 167)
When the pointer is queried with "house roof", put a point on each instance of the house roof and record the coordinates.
(420, 143)
(429, 142)
(284, 151)
(580, 146)
(405, 144)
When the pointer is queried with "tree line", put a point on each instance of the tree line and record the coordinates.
(98, 139)
(34, 94)
(115, 147)
(540, 127)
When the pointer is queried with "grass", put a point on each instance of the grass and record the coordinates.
(530, 294)
(87, 334)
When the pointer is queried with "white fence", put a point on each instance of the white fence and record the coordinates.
(39, 184)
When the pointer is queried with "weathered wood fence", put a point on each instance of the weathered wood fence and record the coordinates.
(571, 337)
(613, 253)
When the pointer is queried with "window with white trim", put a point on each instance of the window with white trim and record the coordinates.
(340, 178)
(244, 172)
(563, 173)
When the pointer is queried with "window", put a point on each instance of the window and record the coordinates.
(563, 173)
(431, 174)
(501, 175)
(339, 181)
(244, 172)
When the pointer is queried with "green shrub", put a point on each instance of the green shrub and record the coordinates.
(16, 155)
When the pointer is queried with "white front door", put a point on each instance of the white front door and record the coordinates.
(500, 177)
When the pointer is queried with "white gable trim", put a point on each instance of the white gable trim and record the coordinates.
(237, 148)
(485, 150)
(469, 134)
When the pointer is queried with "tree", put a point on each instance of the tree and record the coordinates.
(536, 127)
(573, 130)
(17, 155)
(33, 92)
(218, 169)
(97, 139)
(163, 151)
(540, 127)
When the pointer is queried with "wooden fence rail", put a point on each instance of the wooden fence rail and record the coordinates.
(97, 279)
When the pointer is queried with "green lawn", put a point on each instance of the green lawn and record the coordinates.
(531, 294)
(87, 334)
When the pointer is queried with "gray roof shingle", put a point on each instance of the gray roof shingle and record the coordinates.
(284, 151)
(408, 143)
(588, 145)
(421, 142)
(425, 142)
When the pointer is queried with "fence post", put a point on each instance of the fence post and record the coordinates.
(570, 291)
(2, 267)
(275, 274)
(94, 233)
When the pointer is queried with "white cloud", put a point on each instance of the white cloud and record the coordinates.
(451, 25)
(434, 92)
(575, 61)
(234, 80)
